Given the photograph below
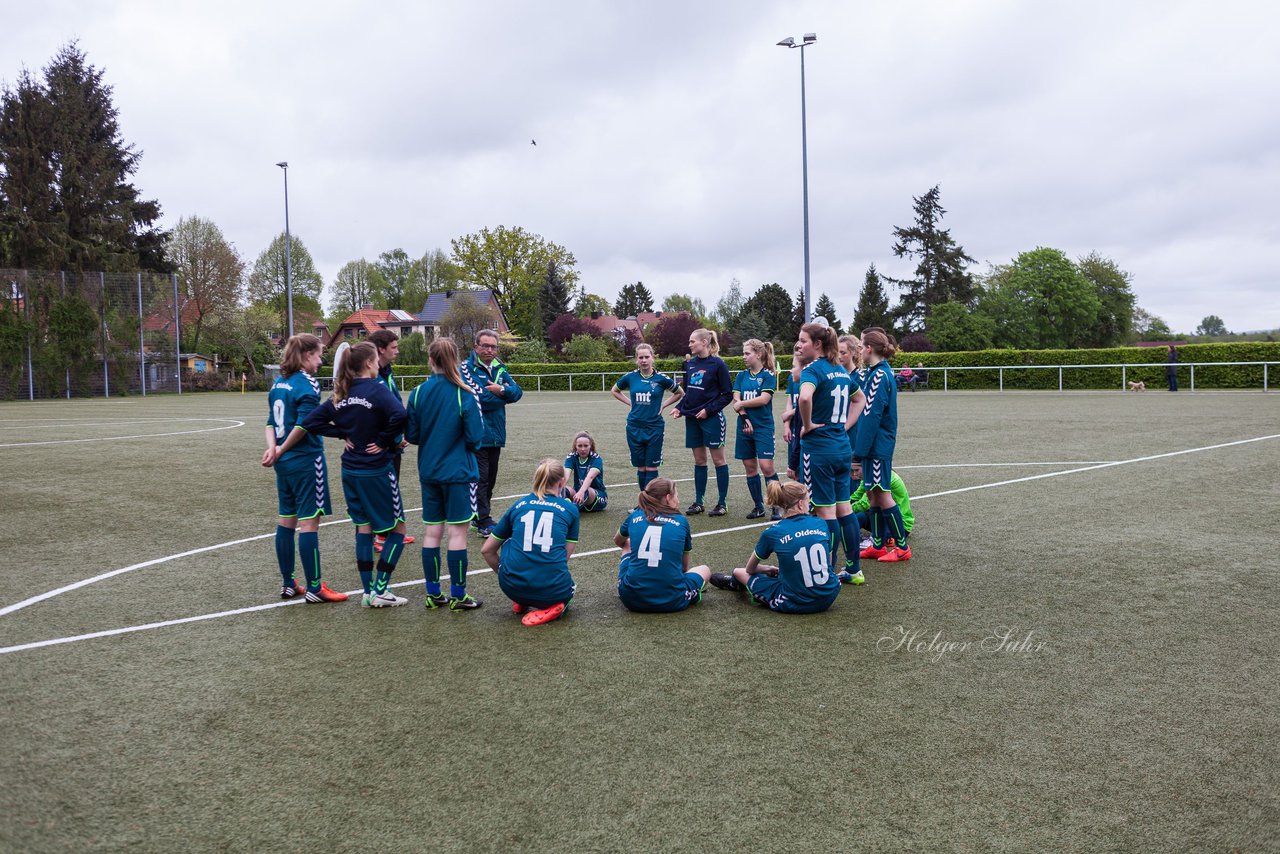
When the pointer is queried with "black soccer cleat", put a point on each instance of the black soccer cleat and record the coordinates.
(694, 509)
(726, 581)
(718, 510)
(757, 513)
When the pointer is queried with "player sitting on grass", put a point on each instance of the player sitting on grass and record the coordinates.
(446, 425)
(302, 478)
(530, 547)
(654, 574)
(370, 418)
(802, 582)
(588, 490)
(861, 503)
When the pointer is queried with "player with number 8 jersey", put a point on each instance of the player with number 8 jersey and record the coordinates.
(531, 544)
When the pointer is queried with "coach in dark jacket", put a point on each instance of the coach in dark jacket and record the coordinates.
(496, 389)
(1172, 370)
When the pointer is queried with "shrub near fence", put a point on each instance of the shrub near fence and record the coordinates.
(1140, 363)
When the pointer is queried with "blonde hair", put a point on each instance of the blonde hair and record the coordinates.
(826, 339)
(653, 499)
(854, 343)
(354, 364)
(643, 346)
(787, 494)
(295, 349)
(765, 350)
(582, 434)
(708, 337)
(549, 473)
(443, 355)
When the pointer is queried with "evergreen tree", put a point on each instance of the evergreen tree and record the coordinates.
(826, 308)
(632, 300)
(940, 274)
(772, 304)
(66, 202)
(873, 305)
(553, 295)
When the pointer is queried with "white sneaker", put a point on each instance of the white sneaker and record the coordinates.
(386, 599)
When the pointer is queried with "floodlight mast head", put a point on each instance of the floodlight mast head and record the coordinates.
(787, 42)
(283, 164)
(810, 38)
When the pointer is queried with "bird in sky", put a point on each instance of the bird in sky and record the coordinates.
(533, 142)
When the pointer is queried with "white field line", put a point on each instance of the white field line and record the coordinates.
(54, 425)
(271, 605)
(231, 426)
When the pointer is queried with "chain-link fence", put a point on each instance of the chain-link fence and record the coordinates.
(93, 334)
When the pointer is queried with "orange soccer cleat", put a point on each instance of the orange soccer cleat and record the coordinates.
(543, 615)
(896, 554)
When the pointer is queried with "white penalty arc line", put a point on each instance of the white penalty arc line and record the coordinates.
(231, 426)
(255, 608)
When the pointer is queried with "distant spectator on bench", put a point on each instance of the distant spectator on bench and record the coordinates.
(921, 375)
(906, 377)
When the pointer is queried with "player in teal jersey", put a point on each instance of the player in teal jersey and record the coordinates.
(366, 414)
(873, 446)
(803, 581)
(446, 425)
(644, 387)
(791, 415)
(753, 401)
(654, 575)
(588, 490)
(825, 457)
(530, 546)
(302, 476)
(388, 345)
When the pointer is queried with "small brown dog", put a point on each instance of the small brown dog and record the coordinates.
(1138, 386)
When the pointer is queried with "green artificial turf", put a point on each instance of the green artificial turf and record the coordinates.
(1133, 706)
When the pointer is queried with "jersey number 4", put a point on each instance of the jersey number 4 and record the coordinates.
(537, 533)
(813, 564)
(650, 550)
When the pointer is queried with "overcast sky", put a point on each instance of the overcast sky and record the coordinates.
(669, 132)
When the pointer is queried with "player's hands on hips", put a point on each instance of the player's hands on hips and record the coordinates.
(373, 448)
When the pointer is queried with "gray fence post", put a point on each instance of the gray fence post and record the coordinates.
(1059, 377)
(1002, 379)
(106, 380)
(1193, 377)
(142, 344)
(177, 334)
(1124, 377)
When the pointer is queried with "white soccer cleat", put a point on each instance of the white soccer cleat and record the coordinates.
(386, 599)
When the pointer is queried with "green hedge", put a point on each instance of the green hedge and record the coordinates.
(1148, 362)
(1149, 366)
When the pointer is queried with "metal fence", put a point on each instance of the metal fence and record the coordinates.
(92, 334)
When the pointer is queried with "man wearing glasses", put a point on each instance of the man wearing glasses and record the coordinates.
(495, 389)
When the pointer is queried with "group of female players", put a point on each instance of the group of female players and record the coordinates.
(841, 415)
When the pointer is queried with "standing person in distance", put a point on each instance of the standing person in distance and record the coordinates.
(588, 490)
(707, 391)
(445, 424)
(530, 546)
(654, 576)
(644, 387)
(302, 475)
(753, 401)
(791, 415)
(1172, 370)
(388, 345)
(803, 582)
(370, 418)
(826, 391)
(496, 390)
(874, 441)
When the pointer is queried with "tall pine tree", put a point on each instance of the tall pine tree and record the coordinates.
(940, 274)
(873, 305)
(68, 203)
(826, 308)
(633, 299)
(554, 295)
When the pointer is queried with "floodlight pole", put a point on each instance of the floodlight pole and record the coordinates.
(288, 261)
(789, 42)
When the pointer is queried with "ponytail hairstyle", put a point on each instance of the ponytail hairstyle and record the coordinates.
(826, 339)
(643, 346)
(880, 342)
(854, 343)
(708, 337)
(443, 355)
(548, 478)
(653, 498)
(582, 434)
(354, 365)
(764, 350)
(786, 495)
(295, 349)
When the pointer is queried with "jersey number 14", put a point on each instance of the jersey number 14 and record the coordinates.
(537, 533)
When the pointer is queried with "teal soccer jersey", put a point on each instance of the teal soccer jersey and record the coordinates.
(751, 386)
(831, 393)
(646, 397)
(289, 402)
(651, 576)
(876, 433)
(535, 563)
(805, 577)
(579, 468)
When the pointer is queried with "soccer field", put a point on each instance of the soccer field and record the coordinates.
(1083, 654)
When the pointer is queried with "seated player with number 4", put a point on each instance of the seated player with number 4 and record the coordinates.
(654, 574)
(803, 582)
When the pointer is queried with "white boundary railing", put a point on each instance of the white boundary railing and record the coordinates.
(600, 380)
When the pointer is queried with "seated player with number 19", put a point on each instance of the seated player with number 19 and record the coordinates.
(803, 582)
(654, 575)
(530, 546)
